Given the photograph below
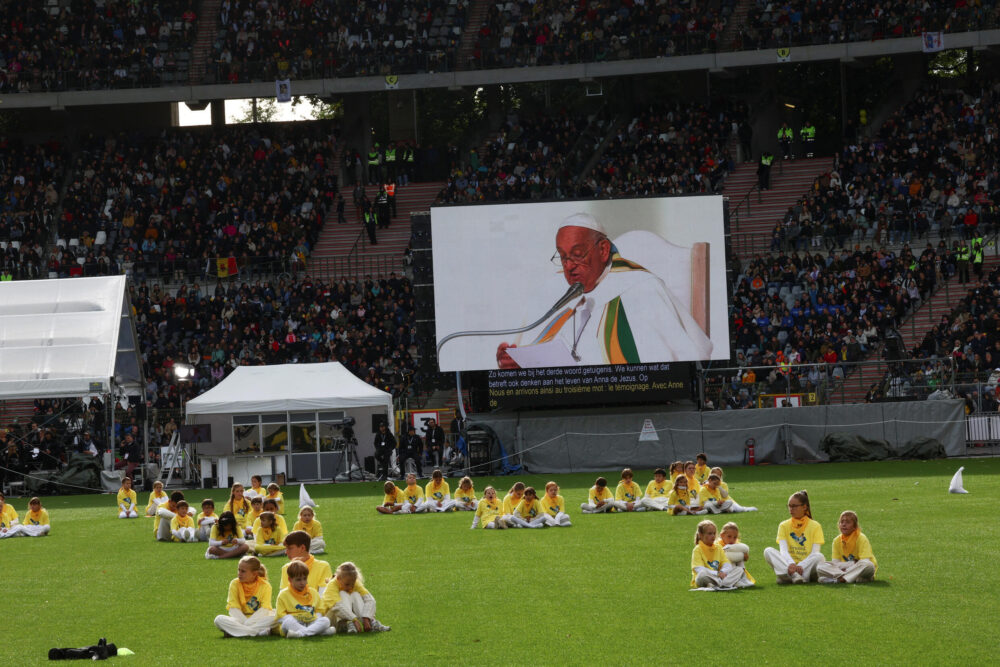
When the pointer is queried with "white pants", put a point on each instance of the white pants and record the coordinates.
(13, 531)
(590, 508)
(560, 519)
(465, 508)
(29, 530)
(204, 531)
(537, 522)
(862, 570)
(317, 627)
(349, 607)
(658, 504)
(317, 545)
(694, 509)
(432, 505)
(163, 530)
(780, 562)
(130, 514)
(495, 522)
(622, 506)
(718, 508)
(733, 578)
(740, 508)
(237, 624)
(414, 508)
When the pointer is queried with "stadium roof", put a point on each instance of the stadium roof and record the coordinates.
(67, 338)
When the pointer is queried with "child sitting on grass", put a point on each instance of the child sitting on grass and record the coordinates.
(297, 545)
(36, 520)
(680, 500)
(710, 567)
(269, 539)
(182, 525)
(348, 604)
(9, 525)
(853, 559)
(628, 494)
(393, 501)
(437, 494)
(599, 499)
(248, 606)
(205, 520)
(488, 511)
(156, 498)
(413, 496)
(226, 540)
(510, 502)
(737, 552)
(554, 506)
(465, 496)
(127, 500)
(529, 512)
(298, 608)
(657, 492)
(307, 522)
(274, 493)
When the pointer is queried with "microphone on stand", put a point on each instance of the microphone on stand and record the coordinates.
(574, 291)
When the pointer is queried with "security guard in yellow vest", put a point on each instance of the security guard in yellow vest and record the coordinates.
(807, 135)
(962, 261)
(374, 165)
(390, 163)
(977, 257)
(785, 136)
(764, 170)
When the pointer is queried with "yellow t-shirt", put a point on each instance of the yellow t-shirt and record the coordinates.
(241, 512)
(527, 510)
(705, 494)
(127, 501)
(693, 483)
(8, 517)
(181, 521)
(40, 518)
(249, 598)
(217, 536)
(510, 502)
(553, 505)
(413, 494)
(713, 557)
(278, 498)
(258, 492)
(279, 522)
(630, 492)
(701, 473)
(272, 536)
(304, 607)
(487, 511)
(862, 550)
(437, 492)
(319, 572)
(595, 496)
(800, 538)
(331, 595)
(680, 497)
(252, 516)
(657, 489)
(397, 497)
(464, 497)
(314, 527)
(155, 500)
(202, 515)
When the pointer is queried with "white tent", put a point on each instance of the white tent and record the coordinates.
(289, 388)
(67, 338)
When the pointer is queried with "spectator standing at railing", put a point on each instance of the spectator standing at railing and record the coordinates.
(807, 135)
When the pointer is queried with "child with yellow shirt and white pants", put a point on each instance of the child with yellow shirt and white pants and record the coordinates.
(437, 494)
(529, 512)
(853, 559)
(36, 520)
(248, 606)
(628, 495)
(299, 608)
(799, 540)
(599, 499)
(554, 506)
(308, 523)
(348, 604)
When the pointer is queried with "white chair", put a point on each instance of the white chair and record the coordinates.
(61, 243)
(101, 238)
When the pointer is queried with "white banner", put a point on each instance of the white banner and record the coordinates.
(932, 41)
(283, 91)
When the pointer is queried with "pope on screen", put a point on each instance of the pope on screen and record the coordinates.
(626, 314)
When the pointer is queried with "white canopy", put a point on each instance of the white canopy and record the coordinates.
(66, 337)
(289, 388)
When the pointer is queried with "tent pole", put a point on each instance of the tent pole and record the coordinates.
(458, 389)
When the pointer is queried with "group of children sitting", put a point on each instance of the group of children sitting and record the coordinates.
(34, 524)
(251, 522)
(720, 562)
(521, 508)
(312, 599)
(694, 488)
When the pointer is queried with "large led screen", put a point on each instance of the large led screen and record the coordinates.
(595, 283)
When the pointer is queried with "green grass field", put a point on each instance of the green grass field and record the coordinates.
(611, 589)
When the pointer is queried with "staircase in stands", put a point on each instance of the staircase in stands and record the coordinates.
(337, 257)
(208, 21)
(753, 218)
(913, 329)
(731, 35)
(478, 10)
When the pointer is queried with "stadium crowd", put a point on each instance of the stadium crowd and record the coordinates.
(173, 205)
(771, 24)
(95, 44)
(324, 38)
(525, 33)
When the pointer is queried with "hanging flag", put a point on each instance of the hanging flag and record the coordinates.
(283, 91)
(391, 82)
(932, 41)
(226, 266)
(784, 54)
(648, 432)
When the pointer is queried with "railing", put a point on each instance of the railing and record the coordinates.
(822, 383)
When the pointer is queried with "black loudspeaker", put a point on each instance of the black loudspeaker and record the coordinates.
(420, 230)
(379, 419)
